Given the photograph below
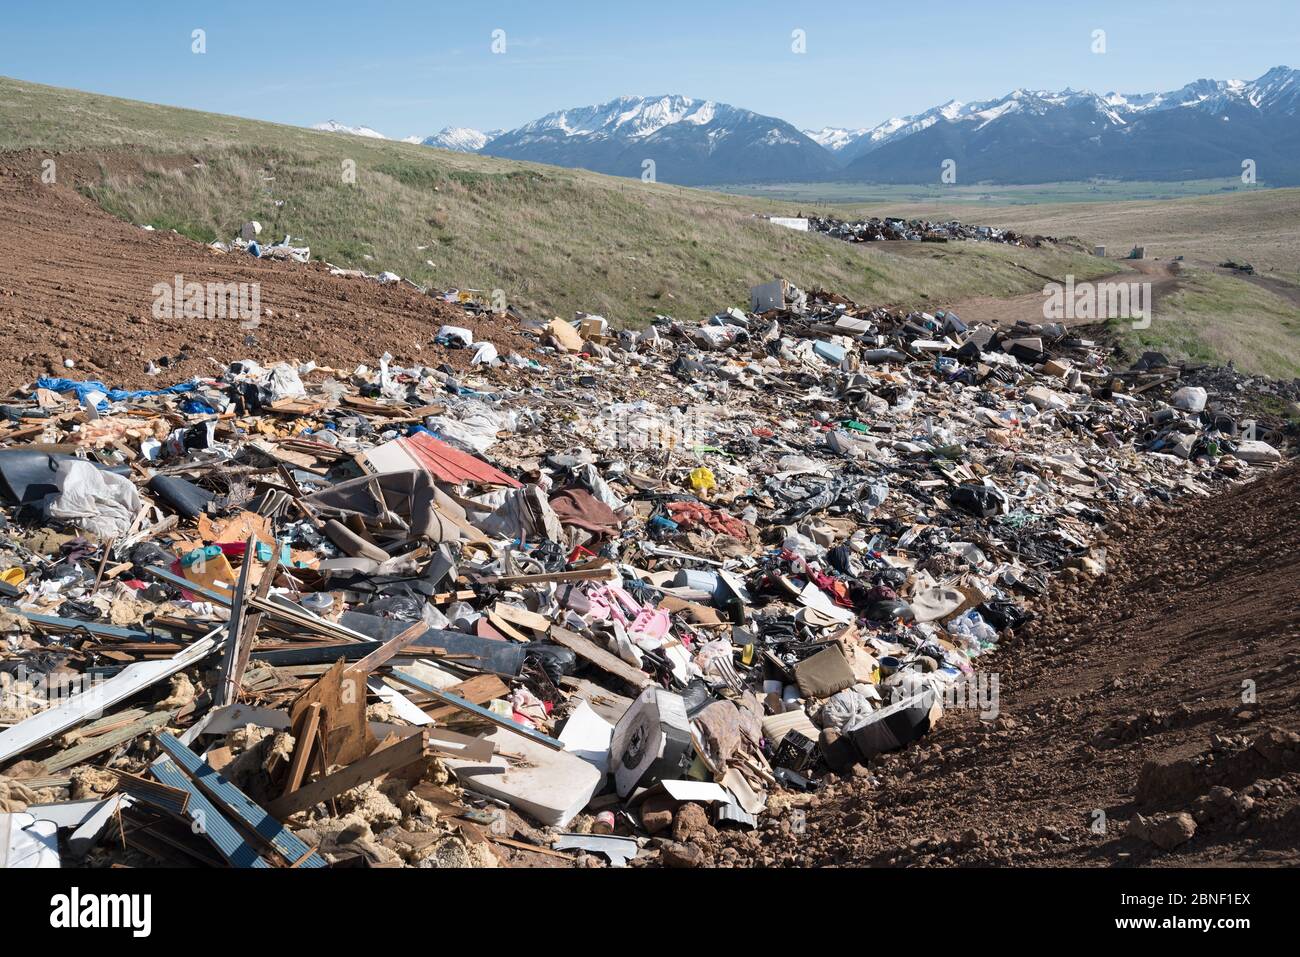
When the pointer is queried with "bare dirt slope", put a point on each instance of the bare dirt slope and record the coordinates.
(1125, 697)
(77, 283)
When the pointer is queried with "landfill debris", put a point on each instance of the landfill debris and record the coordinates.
(595, 604)
(917, 230)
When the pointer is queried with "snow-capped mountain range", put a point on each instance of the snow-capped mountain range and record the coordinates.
(461, 139)
(334, 126)
(689, 141)
(1202, 130)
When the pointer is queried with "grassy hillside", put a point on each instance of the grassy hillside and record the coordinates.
(1217, 318)
(554, 240)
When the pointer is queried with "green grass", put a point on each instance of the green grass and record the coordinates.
(1216, 318)
(555, 240)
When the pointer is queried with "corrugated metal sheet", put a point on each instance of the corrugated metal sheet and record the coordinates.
(442, 461)
(451, 464)
(207, 819)
(240, 804)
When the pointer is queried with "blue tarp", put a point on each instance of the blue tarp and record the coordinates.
(82, 389)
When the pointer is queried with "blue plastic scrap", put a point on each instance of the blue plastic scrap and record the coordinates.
(196, 407)
(83, 389)
(829, 351)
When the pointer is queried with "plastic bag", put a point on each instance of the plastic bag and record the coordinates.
(98, 502)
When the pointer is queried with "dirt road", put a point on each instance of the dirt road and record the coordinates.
(1162, 274)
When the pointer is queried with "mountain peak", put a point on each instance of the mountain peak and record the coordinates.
(461, 139)
(636, 116)
(1044, 136)
(334, 126)
(689, 141)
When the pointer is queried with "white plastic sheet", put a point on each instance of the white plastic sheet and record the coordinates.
(96, 501)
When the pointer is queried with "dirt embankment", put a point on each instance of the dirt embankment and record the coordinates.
(76, 283)
(1170, 685)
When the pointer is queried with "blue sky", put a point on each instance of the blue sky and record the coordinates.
(413, 66)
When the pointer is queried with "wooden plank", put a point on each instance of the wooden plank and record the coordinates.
(521, 846)
(100, 743)
(603, 573)
(459, 745)
(112, 722)
(304, 741)
(103, 563)
(607, 704)
(484, 713)
(478, 690)
(388, 649)
(506, 629)
(225, 684)
(254, 623)
(383, 761)
(521, 617)
(598, 656)
(304, 619)
(343, 714)
(42, 781)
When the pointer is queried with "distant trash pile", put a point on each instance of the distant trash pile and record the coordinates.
(599, 605)
(917, 230)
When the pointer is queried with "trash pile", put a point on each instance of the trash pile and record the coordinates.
(917, 230)
(588, 606)
(247, 242)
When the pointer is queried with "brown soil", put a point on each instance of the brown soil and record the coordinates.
(76, 283)
(1126, 697)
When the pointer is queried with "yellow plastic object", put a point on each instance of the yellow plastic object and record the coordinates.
(702, 479)
(14, 576)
